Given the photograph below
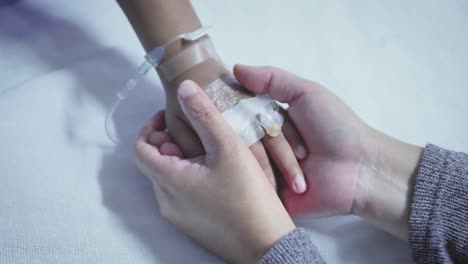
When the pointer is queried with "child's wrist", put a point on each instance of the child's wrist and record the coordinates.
(203, 74)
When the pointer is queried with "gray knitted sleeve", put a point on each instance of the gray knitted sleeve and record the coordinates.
(439, 211)
(296, 247)
(438, 219)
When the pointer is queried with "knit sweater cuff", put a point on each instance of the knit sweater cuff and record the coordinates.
(296, 247)
(439, 211)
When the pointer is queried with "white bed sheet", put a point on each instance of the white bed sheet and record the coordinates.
(68, 196)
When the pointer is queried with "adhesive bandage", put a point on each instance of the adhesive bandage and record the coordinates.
(252, 117)
(188, 58)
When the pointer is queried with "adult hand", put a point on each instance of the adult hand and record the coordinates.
(284, 149)
(333, 135)
(351, 167)
(222, 199)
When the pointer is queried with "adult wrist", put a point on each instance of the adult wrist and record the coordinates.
(386, 184)
(269, 241)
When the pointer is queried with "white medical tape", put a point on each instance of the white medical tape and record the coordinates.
(226, 92)
(188, 58)
(250, 116)
(243, 117)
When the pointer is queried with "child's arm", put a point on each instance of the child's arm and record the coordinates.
(158, 21)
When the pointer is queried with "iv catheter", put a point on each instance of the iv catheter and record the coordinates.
(152, 59)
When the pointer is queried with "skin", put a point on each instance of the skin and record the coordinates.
(351, 169)
(210, 196)
(157, 21)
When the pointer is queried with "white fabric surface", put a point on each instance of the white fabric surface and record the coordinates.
(68, 196)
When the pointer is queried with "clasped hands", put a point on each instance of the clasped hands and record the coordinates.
(223, 198)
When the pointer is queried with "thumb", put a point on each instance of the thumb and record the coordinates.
(214, 132)
(283, 86)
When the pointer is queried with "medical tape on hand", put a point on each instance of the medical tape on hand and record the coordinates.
(255, 117)
(226, 92)
(250, 117)
(188, 58)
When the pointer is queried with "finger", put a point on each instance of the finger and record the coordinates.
(151, 132)
(281, 85)
(149, 158)
(215, 134)
(260, 154)
(171, 149)
(294, 138)
(283, 156)
(146, 131)
(157, 138)
(186, 138)
(164, 143)
(145, 153)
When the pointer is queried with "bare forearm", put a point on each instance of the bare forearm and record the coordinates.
(157, 21)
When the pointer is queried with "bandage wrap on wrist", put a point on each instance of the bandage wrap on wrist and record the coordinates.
(249, 115)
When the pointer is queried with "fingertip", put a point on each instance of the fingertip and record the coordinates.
(244, 68)
(157, 138)
(187, 88)
(171, 149)
(240, 68)
(283, 86)
(250, 77)
(299, 184)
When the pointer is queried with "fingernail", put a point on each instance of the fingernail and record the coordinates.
(301, 152)
(187, 89)
(299, 183)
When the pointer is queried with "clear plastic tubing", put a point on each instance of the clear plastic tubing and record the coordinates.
(152, 60)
